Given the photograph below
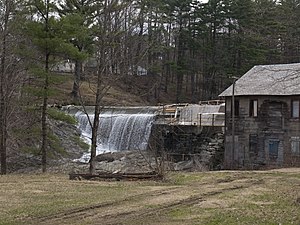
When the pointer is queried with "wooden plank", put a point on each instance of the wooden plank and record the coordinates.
(117, 176)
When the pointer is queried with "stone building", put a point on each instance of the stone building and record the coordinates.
(266, 118)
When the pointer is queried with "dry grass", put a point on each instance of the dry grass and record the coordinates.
(114, 96)
(264, 197)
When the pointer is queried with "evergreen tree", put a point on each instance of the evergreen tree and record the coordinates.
(49, 42)
(265, 29)
(215, 18)
(77, 16)
(289, 34)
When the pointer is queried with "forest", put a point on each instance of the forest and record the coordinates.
(183, 48)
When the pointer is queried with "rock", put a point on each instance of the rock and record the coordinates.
(108, 157)
(127, 161)
(183, 165)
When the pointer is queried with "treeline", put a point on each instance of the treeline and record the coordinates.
(187, 47)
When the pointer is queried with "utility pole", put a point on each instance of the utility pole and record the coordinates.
(233, 120)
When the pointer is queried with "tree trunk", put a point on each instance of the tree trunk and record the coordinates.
(96, 116)
(3, 103)
(180, 65)
(167, 70)
(2, 116)
(45, 98)
(95, 134)
(100, 72)
(139, 45)
(77, 78)
(44, 117)
(193, 99)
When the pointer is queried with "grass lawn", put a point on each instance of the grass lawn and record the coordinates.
(224, 197)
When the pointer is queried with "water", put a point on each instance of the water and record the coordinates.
(119, 130)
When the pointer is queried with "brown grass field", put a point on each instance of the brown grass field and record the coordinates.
(114, 95)
(223, 197)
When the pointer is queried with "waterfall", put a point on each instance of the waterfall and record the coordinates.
(119, 129)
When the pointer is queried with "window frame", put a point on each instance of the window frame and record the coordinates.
(253, 108)
(295, 109)
(273, 148)
(295, 146)
(236, 107)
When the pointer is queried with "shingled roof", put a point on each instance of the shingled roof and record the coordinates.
(280, 79)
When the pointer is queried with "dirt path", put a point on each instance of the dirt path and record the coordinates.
(103, 208)
(148, 204)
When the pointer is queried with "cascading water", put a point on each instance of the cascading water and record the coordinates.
(119, 130)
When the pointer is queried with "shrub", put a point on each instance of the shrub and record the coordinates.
(61, 116)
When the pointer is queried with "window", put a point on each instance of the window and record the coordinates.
(295, 145)
(295, 108)
(236, 108)
(253, 108)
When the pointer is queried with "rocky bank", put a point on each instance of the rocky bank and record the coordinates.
(206, 155)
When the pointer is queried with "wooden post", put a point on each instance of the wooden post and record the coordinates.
(200, 120)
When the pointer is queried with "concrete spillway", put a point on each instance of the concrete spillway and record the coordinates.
(120, 129)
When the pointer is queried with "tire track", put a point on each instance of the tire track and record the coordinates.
(77, 212)
(117, 219)
(136, 211)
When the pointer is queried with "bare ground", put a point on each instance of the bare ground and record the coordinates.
(227, 197)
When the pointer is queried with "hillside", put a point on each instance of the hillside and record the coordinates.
(129, 91)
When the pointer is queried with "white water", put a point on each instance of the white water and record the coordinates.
(118, 131)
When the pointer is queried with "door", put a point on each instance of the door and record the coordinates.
(273, 148)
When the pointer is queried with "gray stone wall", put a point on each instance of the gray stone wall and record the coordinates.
(199, 150)
(264, 140)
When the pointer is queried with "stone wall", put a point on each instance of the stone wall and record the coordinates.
(256, 137)
(189, 149)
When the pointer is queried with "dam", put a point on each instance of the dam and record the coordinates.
(171, 127)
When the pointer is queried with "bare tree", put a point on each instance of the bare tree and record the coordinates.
(3, 133)
(112, 56)
(6, 10)
(11, 75)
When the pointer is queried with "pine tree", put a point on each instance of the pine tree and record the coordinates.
(78, 17)
(289, 33)
(49, 42)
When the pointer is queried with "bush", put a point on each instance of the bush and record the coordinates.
(81, 143)
(61, 116)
